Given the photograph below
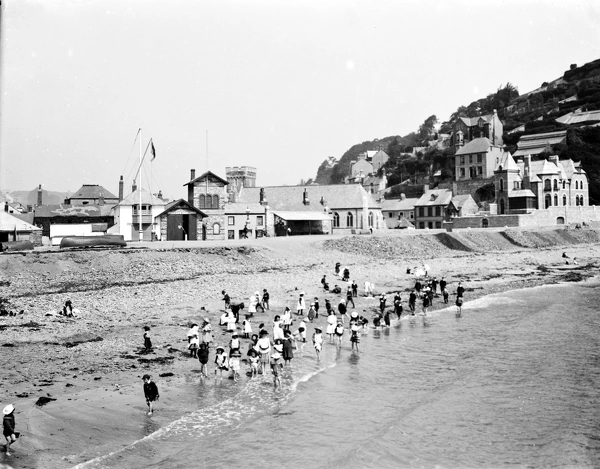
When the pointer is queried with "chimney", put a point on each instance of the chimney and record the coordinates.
(305, 200)
(101, 199)
(6, 206)
(454, 189)
(133, 186)
(402, 196)
(263, 197)
(192, 174)
(425, 188)
(39, 196)
(160, 194)
(554, 159)
(121, 189)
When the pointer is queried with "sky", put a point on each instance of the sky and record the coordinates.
(276, 85)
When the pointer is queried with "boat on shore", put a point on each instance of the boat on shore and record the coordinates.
(93, 241)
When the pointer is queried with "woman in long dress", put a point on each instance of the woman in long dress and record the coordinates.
(331, 323)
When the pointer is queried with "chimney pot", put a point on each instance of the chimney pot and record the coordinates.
(192, 174)
(121, 188)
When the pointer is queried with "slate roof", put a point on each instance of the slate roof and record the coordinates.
(302, 216)
(9, 222)
(67, 210)
(181, 203)
(459, 200)
(472, 121)
(477, 145)
(92, 191)
(134, 199)
(289, 198)
(521, 193)
(538, 143)
(203, 175)
(399, 205)
(507, 162)
(580, 117)
(435, 197)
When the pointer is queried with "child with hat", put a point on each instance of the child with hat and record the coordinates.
(220, 362)
(318, 341)
(8, 424)
(234, 363)
(150, 392)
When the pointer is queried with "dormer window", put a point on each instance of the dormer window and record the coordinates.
(433, 197)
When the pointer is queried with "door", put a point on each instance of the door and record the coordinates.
(174, 233)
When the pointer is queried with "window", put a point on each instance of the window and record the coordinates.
(411, 215)
(421, 211)
(336, 220)
(485, 223)
(547, 184)
(564, 184)
(429, 211)
(516, 184)
(479, 170)
(501, 184)
(576, 184)
(581, 184)
(259, 220)
(231, 234)
(564, 200)
(480, 158)
(390, 215)
(349, 219)
(370, 219)
(231, 221)
(85, 202)
(401, 214)
(208, 203)
(548, 201)
(555, 200)
(438, 211)
(430, 225)
(462, 172)
(470, 159)
(422, 225)
(216, 229)
(438, 224)
(215, 200)
(201, 201)
(555, 184)
(462, 160)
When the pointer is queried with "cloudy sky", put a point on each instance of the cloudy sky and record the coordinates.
(278, 85)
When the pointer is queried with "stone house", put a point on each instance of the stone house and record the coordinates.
(208, 193)
(92, 194)
(394, 210)
(466, 129)
(476, 160)
(179, 221)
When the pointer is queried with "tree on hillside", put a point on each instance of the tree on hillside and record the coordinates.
(427, 129)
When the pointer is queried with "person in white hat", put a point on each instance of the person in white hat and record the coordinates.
(9, 426)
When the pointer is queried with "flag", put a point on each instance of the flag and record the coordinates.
(152, 150)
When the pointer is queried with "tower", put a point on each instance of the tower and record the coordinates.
(240, 176)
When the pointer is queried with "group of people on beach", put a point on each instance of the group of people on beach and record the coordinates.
(274, 350)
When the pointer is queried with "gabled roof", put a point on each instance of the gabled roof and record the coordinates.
(67, 210)
(521, 193)
(181, 203)
(435, 197)
(459, 200)
(9, 223)
(507, 162)
(398, 205)
(538, 143)
(404, 223)
(289, 198)
(473, 121)
(147, 199)
(92, 191)
(477, 145)
(204, 175)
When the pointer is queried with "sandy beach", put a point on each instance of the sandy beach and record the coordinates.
(91, 365)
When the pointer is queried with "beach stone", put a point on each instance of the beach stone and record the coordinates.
(43, 401)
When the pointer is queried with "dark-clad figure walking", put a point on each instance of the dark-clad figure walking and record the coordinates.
(150, 392)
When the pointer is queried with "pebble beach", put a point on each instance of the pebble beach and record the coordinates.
(76, 382)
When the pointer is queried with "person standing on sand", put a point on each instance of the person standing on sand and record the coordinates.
(316, 305)
(342, 310)
(265, 299)
(8, 426)
(226, 299)
(300, 305)
(354, 288)
(331, 322)
(147, 341)
(349, 298)
(317, 339)
(203, 359)
(150, 392)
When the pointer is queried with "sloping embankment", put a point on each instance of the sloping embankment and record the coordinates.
(460, 243)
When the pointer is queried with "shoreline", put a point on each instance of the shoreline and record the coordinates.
(92, 380)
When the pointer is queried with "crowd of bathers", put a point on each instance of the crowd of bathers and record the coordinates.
(263, 350)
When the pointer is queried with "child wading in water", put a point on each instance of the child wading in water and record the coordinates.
(317, 341)
(253, 357)
(339, 333)
(150, 392)
(220, 362)
(275, 367)
(234, 363)
(354, 339)
(203, 359)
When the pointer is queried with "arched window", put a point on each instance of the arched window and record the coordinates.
(556, 184)
(581, 185)
(371, 219)
(201, 201)
(564, 200)
(564, 184)
(547, 185)
(336, 220)
(208, 202)
(576, 184)
(216, 229)
(215, 201)
(555, 200)
(349, 219)
(548, 200)
(501, 184)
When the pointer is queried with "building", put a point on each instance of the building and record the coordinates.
(466, 129)
(58, 221)
(15, 229)
(437, 206)
(476, 160)
(92, 194)
(462, 206)
(526, 185)
(180, 221)
(396, 210)
(208, 193)
(539, 143)
(139, 206)
(379, 159)
(361, 168)
(590, 117)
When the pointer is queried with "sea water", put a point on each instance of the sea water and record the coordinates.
(512, 381)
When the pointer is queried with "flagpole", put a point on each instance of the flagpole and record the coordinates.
(140, 189)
